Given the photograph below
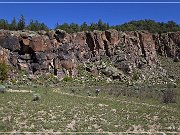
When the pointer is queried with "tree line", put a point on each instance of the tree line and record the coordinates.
(35, 25)
(20, 24)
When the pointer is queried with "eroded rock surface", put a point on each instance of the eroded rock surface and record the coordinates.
(35, 52)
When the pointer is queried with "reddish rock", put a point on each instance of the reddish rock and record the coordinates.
(95, 42)
(148, 47)
(37, 44)
(26, 41)
(112, 36)
(127, 50)
(40, 43)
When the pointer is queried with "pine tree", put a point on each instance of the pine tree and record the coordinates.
(84, 27)
(13, 25)
(21, 23)
(100, 24)
(4, 24)
(31, 25)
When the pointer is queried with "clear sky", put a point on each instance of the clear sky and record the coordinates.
(114, 14)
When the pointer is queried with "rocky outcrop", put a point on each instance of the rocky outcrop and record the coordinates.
(36, 51)
(168, 44)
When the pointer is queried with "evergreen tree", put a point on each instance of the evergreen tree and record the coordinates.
(4, 24)
(93, 26)
(43, 27)
(21, 23)
(31, 25)
(35, 26)
(13, 25)
(100, 24)
(74, 27)
(84, 27)
(64, 27)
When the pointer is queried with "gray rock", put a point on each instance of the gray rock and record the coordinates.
(2, 89)
(9, 42)
(36, 97)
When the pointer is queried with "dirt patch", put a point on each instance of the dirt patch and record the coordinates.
(21, 91)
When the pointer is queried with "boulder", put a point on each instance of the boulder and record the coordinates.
(37, 44)
(9, 42)
(40, 43)
(113, 73)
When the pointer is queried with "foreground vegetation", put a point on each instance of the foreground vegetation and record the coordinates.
(77, 108)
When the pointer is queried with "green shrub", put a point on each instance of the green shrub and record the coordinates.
(169, 96)
(14, 81)
(136, 76)
(67, 79)
(4, 69)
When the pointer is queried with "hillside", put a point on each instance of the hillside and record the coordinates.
(90, 81)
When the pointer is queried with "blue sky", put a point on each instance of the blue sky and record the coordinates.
(114, 14)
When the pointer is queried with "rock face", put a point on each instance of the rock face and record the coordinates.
(168, 44)
(36, 52)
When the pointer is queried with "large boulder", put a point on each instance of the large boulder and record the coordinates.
(40, 43)
(9, 42)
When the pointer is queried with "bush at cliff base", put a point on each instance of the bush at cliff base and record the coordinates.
(4, 69)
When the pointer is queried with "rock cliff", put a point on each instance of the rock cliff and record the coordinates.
(35, 52)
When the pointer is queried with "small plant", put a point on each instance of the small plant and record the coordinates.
(67, 79)
(4, 69)
(14, 81)
(136, 76)
(97, 92)
(169, 96)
